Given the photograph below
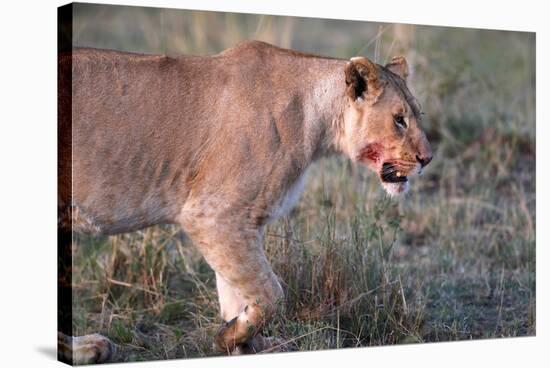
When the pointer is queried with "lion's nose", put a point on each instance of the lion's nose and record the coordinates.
(424, 159)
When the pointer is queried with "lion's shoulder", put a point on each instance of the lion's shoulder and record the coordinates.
(255, 47)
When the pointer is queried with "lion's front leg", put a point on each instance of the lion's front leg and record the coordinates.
(232, 306)
(249, 291)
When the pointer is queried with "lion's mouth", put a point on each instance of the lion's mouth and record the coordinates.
(390, 174)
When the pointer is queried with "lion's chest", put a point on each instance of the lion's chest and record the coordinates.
(288, 200)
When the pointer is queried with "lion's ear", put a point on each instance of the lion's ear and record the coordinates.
(361, 77)
(398, 65)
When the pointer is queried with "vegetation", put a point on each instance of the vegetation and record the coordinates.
(453, 260)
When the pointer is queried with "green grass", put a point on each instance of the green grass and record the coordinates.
(453, 260)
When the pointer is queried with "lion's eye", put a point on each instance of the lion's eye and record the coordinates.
(400, 120)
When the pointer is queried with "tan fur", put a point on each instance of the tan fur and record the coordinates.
(218, 144)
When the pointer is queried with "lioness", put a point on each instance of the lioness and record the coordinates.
(219, 145)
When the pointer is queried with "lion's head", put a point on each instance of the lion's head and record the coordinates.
(382, 122)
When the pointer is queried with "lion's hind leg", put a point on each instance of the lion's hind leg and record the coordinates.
(87, 349)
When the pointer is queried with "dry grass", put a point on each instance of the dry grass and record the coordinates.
(453, 260)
